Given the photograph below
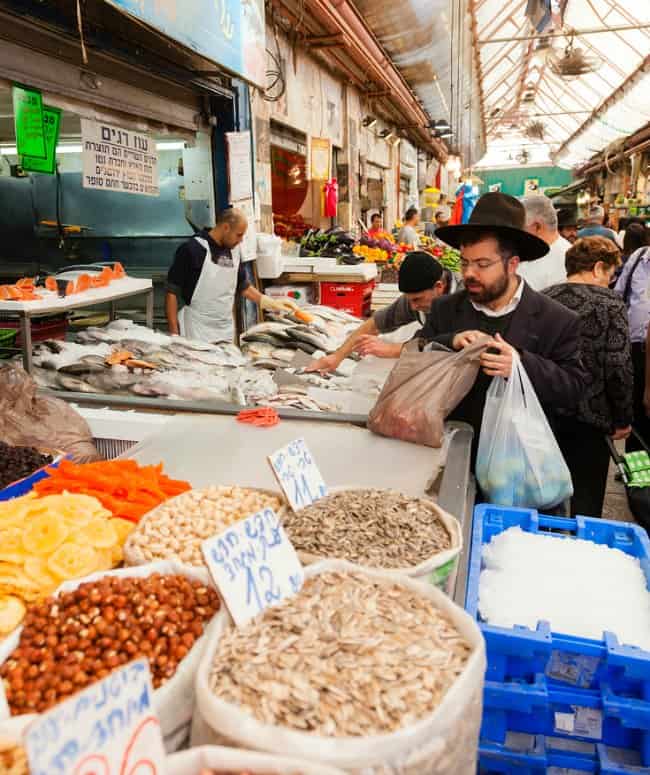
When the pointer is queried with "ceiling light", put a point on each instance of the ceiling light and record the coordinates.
(443, 135)
(441, 124)
(369, 122)
(386, 134)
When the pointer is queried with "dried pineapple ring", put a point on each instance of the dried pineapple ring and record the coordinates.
(117, 555)
(37, 569)
(44, 534)
(71, 561)
(75, 508)
(12, 612)
(98, 533)
(11, 546)
(104, 559)
(123, 528)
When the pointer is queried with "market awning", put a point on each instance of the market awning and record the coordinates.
(533, 101)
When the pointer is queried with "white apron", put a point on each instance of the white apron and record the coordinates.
(209, 318)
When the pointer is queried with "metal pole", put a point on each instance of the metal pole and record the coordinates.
(568, 34)
(26, 334)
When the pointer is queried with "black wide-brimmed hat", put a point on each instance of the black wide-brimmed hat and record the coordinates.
(567, 216)
(501, 214)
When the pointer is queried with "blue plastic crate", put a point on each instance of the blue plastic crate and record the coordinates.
(562, 712)
(520, 653)
(536, 754)
(23, 486)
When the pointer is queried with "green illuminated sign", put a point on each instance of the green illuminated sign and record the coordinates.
(28, 118)
(51, 125)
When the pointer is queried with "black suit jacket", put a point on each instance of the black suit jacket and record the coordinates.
(546, 334)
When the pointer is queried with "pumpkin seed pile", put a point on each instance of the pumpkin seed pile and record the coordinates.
(347, 656)
(378, 528)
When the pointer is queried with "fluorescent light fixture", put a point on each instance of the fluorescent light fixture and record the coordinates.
(443, 135)
(178, 145)
(11, 150)
(368, 122)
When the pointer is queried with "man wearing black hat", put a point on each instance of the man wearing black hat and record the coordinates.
(567, 223)
(498, 302)
(420, 281)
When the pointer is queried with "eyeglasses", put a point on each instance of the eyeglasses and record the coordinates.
(482, 264)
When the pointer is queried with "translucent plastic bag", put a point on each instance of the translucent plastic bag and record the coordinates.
(30, 420)
(422, 390)
(519, 462)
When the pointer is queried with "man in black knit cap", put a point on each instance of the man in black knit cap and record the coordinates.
(420, 281)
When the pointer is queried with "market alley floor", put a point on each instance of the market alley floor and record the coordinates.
(615, 499)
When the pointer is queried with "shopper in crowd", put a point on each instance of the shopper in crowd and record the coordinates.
(376, 230)
(606, 406)
(635, 237)
(421, 280)
(408, 233)
(206, 275)
(594, 225)
(442, 215)
(567, 224)
(623, 225)
(541, 220)
(633, 285)
(496, 301)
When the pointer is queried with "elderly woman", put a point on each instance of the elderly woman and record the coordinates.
(606, 408)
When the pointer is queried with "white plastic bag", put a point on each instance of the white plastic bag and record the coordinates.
(443, 743)
(174, 702)
(519, 462)
(219, 758)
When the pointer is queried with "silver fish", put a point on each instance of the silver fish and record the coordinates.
(45, 378)
(75, 384)
(145, 389)
(79, 368)
(269, 327)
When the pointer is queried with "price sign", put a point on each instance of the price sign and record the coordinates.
(28, 120)
(254, 565)
(51, 124)
(110, 728)
(298, 474)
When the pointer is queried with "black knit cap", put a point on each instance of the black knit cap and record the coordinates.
(419, 272)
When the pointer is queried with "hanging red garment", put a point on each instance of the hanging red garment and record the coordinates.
(457, 211)
(331, 191)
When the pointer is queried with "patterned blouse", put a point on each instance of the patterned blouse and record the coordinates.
(605, 349)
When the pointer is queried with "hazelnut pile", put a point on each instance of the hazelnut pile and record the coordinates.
(69, 642)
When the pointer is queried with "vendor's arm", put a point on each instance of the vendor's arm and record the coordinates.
(364, 339)
(171, 311)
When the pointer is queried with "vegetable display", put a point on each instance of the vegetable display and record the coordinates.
(123, 487)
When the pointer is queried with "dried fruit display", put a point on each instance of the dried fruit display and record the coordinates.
(19, 462)
(125, 488)
(347, 656)
(45, 541)
(176, 529)
(77, 638)
(13, 758)
(378, 528)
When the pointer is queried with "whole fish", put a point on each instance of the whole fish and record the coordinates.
(46, 378)
(269, 327)
(145, 389)
(76, 369)
(283, 354)
(75, 384)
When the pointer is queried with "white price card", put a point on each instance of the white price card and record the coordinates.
(298, 475)
(254, 565)
(110, 728)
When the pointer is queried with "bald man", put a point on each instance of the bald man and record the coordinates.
(206, 275)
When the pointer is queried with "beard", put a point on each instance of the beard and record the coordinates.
(482, 293)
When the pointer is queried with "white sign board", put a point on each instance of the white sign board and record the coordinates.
(110, 728)
(254, 565)
(249, 243)
(298, 474)
(117, 159)
(240, 171)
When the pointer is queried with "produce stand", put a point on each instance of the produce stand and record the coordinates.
(25, 311)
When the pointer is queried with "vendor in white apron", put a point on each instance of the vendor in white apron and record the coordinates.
(206, 275)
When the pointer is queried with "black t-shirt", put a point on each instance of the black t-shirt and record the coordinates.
(184, 273)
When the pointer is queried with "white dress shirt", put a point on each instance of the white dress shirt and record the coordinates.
(548, 270)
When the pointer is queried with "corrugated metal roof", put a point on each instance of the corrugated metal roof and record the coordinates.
(579, 116)
(430, 42)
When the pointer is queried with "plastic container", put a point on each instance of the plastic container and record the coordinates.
(7, 342)
(269, 256)
(300, 294)
(573, 691)
(23, 486)
(54, 327)
(520, 653)
(353, 298)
